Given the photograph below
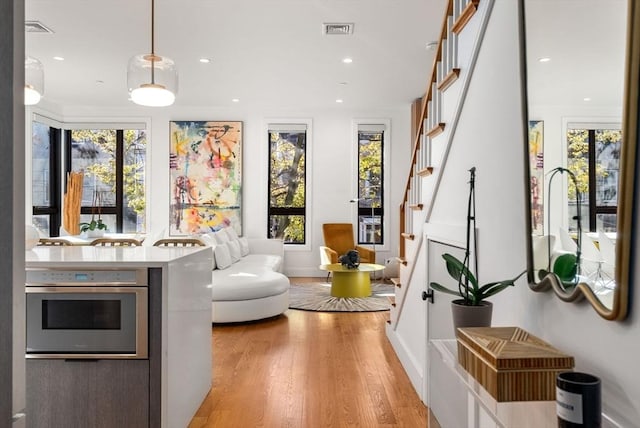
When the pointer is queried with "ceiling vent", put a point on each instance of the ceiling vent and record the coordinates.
(36, 27)
(340, 29)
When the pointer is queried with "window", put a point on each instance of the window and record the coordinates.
(113, 161)
(113, 164)
(287, 182)
(45, 183)
(593, 155)
(370, 184)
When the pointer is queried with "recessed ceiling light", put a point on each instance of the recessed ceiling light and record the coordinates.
(347, 60)
(586, 99)
(236, 100)
(343, 83)
(339, 101)
(544, 59)
(58, 58)
(99, 82)
(204, 60)
(432, 46)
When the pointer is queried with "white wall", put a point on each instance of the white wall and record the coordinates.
(332, 161)
(489, 137)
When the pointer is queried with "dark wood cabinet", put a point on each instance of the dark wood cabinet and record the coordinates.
(88, 393)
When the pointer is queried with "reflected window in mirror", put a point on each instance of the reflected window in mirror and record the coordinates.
(593, 155)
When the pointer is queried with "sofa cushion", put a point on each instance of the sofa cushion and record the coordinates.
(209, 241)
(231, 233)
(234, 250)
(244, 246)
(223, 256)
(221, 236)
(243, 285)
(270, 261)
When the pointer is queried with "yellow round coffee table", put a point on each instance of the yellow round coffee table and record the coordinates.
(351, 282)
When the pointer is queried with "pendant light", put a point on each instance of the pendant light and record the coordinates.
(152, 79)
(33, 81)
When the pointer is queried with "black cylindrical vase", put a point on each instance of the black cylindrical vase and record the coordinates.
(578, 401)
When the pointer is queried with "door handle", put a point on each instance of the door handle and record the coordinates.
(428, 295)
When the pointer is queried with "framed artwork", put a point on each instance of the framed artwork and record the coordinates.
(205, 164)
(536, 168)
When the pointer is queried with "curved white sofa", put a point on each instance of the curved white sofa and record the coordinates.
(248, 285)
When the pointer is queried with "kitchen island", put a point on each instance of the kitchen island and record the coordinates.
(162, 389)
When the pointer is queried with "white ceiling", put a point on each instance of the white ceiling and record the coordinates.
(264, 52)
(585, 41)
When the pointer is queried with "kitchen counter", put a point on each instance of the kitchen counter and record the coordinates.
(180, 364)
(63, 256)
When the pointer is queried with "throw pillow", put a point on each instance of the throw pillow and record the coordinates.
(223, 257)
(209, 241)
(234, 249)
(244, 246)
(221, 236)
(231, 232)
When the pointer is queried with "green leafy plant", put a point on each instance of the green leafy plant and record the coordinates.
(469, 289)
(93, 225)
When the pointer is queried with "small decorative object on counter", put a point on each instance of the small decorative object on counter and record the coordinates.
(578, 402)
(350, 260)
(510, 363)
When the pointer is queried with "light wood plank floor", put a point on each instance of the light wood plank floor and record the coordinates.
(308, 370)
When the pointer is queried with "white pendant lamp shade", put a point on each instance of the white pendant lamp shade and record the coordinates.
(152, 80)
(33, 81)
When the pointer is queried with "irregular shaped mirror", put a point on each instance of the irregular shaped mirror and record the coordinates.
(581, 59)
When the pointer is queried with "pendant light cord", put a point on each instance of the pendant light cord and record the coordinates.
(153, 51)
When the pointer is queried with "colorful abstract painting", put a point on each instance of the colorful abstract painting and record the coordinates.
(536, 168)
(205, 163)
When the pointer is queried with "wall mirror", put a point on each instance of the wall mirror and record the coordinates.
(581, 110)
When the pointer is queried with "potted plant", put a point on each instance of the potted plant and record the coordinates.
(95, 228)
(472, 309)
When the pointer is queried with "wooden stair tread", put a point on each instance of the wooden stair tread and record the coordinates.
(465, 16)
(409, 236)
(402, 260)
(396, 282)
(436, 130)
(424, 172)
(448, 80)
(416, 207)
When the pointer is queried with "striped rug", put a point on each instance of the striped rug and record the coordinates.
(316, 296)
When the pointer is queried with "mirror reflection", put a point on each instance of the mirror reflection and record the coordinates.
(575, 94)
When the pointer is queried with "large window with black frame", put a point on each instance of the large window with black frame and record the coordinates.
(113, 165)
(370, 184)
(287, 182)
(593, 155)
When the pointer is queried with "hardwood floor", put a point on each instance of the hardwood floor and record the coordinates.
(308, 370)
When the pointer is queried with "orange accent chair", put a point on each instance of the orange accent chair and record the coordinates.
(338, 239)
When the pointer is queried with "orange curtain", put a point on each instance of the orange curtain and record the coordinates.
(71, 205)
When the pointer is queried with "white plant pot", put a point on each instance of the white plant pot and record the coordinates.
(97, 233)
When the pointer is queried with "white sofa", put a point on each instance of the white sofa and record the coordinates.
(247, 280)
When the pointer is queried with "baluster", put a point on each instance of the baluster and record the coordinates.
(437, 107)
(444, 60)
(458, 5)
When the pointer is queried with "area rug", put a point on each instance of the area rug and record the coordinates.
(316, 296)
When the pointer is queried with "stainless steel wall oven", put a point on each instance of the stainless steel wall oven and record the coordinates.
(87, 314)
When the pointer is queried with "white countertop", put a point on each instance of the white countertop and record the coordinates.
(60, 256)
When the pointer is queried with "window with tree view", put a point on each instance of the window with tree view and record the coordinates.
(593, 155)
(113, 163)
(370, 180)
(287, 183)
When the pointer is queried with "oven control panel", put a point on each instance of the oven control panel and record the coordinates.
(37, 277)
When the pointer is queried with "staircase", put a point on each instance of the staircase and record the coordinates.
(434, 119)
